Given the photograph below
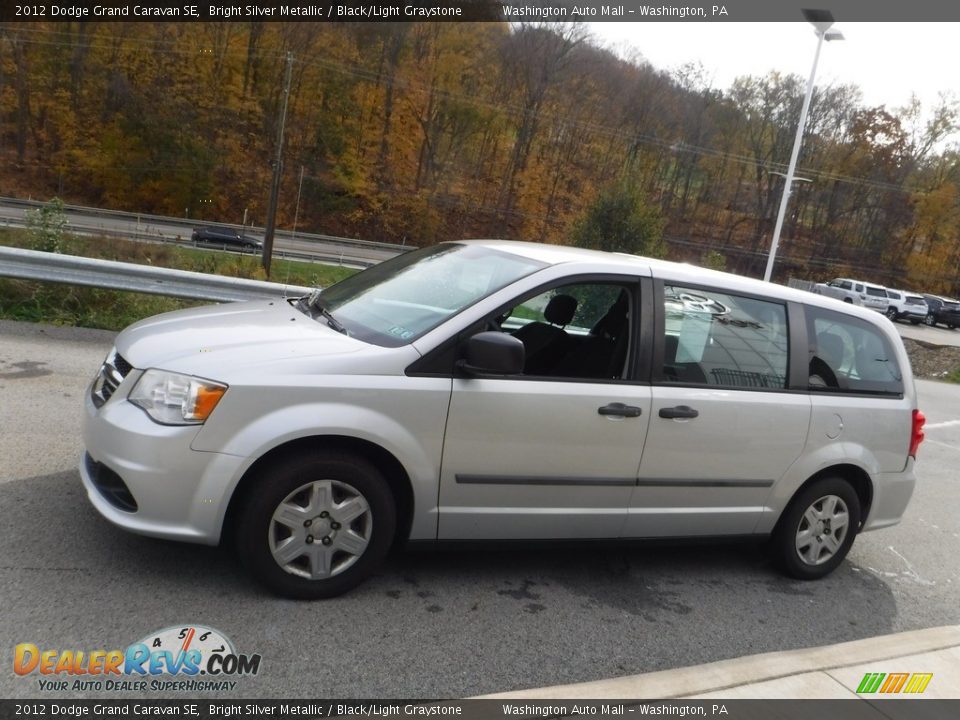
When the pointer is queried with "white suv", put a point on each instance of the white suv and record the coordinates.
(855, 292)
(503, 390)
(906, 306)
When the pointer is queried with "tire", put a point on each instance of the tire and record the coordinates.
(891, 313)
(340, 498)
(808, 543)
(915, 322)
(848, 300)
(929, 320)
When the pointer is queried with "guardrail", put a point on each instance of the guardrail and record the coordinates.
(73, 270)
(801, 284)
(194, 222)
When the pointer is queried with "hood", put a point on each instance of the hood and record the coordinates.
(214, 340)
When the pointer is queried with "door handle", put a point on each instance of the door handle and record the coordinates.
(619, 410)
(680, 411)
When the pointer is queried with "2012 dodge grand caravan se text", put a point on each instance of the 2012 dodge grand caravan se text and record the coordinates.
(504, 390)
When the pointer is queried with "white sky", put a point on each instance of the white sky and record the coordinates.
(887, 61)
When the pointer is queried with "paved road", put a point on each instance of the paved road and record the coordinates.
(346, 253)
(431, 624)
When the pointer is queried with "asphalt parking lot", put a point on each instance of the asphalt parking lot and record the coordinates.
(431, 624)
(938, 335)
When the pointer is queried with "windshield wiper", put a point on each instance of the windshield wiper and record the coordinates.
(332, 321)
(313, 301)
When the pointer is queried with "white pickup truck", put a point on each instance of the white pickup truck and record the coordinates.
(855, 292)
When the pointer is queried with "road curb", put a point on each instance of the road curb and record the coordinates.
(727, 674)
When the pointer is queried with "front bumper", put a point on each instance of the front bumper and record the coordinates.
(145, 478)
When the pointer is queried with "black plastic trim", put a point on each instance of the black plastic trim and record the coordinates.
(682, 482)
(535, 480)
(110, 485)
(798, 359)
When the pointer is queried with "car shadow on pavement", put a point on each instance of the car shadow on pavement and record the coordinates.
(68, 575)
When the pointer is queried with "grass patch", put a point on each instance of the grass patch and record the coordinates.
(62, 304)
(953, 376)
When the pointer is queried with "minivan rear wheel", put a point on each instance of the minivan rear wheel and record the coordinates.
(316, 525)
(816, 531)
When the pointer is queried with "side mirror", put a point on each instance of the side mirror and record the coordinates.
(493, 353)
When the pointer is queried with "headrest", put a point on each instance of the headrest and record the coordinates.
(560, 310)
(614, 321)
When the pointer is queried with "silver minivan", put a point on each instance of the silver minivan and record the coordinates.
(502, 390)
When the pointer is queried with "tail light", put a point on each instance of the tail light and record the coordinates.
(916, 434)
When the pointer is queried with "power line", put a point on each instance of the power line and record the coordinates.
(598, 129)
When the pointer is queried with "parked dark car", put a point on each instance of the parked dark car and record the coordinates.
(943, 311)
(227, 238)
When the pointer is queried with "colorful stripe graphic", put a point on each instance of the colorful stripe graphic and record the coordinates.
(914, 683)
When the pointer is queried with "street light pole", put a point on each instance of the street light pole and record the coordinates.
(821, 21)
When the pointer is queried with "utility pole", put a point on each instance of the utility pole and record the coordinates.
(277, 167)
(296, 213)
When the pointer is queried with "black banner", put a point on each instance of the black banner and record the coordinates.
(472, 11)
(902, 709)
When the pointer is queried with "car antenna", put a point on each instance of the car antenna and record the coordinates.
(286, 280)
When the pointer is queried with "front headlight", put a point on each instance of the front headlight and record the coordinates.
(174, 399)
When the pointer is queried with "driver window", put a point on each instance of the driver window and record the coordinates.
(574, 331)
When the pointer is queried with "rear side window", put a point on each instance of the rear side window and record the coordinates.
(877, 291)
(850, 355)
(714, 338)
(893, 295)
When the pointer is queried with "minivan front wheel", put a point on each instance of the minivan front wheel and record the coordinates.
(316, 525)
(817, 529)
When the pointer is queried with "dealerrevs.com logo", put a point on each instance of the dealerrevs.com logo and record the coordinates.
(187, 658)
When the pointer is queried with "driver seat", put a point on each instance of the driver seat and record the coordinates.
(544, 342)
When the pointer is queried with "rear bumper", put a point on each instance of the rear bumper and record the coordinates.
(891, 495)
(909, 313)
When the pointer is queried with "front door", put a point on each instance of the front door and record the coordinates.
(554, 452)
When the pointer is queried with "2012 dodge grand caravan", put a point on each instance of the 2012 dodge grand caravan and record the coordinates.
(494, 389)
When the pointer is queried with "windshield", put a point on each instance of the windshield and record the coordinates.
(399, 300)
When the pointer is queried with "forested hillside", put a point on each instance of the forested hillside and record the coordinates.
(417, 133)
